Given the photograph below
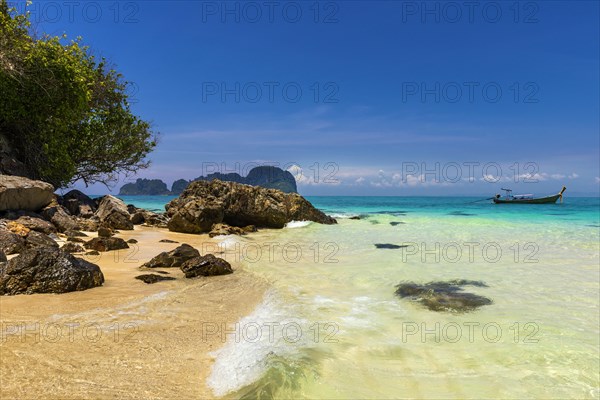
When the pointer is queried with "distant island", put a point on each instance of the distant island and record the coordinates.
(266, 176)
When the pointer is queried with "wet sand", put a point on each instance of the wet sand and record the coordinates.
(125, 339)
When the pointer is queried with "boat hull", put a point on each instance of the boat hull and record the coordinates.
(542, 200)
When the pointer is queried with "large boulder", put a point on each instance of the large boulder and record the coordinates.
(36, 223)
(60, 217)
(79, 204)
(174, 258)
(113, 212)
(106, 244)
(204, 204)
(38, 239)
(207, 265)
(47, 270)
(19, 193)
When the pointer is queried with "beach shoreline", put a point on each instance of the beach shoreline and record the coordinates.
(125, 339)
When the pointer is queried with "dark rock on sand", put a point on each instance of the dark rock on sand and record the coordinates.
(168, 241)
(93, 253)
(132, 241)
(174, 258)
(71, 247)
(113, 213)
(444, 296)
(19, 193)
(204, 204)
(207, 265)
(106, 244)
(397, 223)
(75, 239)
(390, 246)
(153, 278)
(75, 234)
(105, 232)
(47, 270)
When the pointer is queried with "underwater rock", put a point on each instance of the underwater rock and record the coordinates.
(390, 246)
(444, 296)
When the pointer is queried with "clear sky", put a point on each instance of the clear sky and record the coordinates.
(359, 97)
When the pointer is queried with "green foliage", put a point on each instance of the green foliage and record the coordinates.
(65, 113)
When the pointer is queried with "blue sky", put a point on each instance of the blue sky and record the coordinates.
(357, 97)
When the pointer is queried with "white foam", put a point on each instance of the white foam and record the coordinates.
(264, 333)
(297, 224)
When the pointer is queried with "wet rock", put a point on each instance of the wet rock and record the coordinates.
(79, 204)
(106, 244)
(38, 239)
(390, 246)
(47, 270)
(71, 247)
(356, 217)
(105, 232)
(112, 212)
(167, 241)
(174, 258)
(153, 278)
(444, 296)
(207, 265)
(19, 193)
(204, 204)
(224, 230)
(11, 243)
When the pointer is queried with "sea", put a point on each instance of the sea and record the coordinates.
(332, 326)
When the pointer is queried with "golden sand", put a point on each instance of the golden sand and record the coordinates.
(125, 339)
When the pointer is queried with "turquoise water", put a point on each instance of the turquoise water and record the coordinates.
(331, 325)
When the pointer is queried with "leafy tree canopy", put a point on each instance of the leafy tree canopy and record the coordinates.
(65, 113)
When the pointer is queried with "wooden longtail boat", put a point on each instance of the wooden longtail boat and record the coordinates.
(527, 198)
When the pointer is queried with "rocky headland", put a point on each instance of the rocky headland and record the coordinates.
(264, 176)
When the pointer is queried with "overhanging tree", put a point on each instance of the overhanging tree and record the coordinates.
(66, 114)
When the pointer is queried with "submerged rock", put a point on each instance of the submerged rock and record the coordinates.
(113, 213)
(395, 223)
(153, 278)
(204, 204)
(19, 193)
(444, 296)
(106, 244)
(207, 265)
(47, 270)
(174, 258)
(390, 246)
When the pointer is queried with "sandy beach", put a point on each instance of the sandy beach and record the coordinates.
(125, 339)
